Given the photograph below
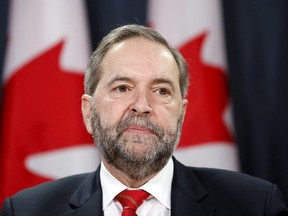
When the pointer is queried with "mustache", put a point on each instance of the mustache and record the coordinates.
(140, 121)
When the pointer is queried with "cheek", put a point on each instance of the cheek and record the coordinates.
(168, 116)
(111, 112)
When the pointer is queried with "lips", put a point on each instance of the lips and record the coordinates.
(138, 125)
(138, 130)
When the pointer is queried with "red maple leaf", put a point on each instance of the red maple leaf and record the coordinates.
(207, 96)
(41, 112)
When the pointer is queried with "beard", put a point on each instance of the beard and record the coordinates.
(138, 156)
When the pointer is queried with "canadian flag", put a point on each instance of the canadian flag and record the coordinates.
(195, 28)
(43, 135)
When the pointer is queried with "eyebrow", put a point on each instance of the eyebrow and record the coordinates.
(163, 80)
(120, 78)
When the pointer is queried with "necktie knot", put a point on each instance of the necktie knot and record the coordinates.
(131, 200)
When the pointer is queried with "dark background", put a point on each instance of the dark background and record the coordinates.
(257, 49)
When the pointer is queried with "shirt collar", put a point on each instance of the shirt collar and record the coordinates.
(159, 186)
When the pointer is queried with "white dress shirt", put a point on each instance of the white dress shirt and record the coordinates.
(158, 204)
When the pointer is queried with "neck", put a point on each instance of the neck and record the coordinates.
(125, 179)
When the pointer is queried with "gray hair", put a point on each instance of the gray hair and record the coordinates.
(93, 70)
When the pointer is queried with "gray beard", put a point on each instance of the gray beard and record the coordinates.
(155, 150)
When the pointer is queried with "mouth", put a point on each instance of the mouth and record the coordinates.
(134, 129)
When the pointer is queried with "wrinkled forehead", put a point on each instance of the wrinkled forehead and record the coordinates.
(140, 55)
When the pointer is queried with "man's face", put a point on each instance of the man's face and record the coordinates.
(137, 110)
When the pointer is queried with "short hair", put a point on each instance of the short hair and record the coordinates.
(93, 70)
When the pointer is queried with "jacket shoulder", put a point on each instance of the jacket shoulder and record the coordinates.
(65, 186)
(51, 197)
(230, 192)
(229, 188)
(228, 179)
(213, 179)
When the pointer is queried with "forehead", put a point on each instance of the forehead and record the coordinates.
(138, 57)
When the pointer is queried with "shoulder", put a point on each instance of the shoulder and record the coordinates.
(212, 178)
(225, 182)
(229, 190)
(57, 193)
(66, 186)
(231, 182)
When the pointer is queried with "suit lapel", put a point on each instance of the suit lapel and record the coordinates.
(87, 199)
(188, 194)
(91, 208)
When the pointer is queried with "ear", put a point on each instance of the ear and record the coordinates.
(184, 104)
(86, 106)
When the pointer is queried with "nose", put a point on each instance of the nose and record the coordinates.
(141, 104)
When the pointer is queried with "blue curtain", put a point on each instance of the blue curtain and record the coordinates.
(256, 34)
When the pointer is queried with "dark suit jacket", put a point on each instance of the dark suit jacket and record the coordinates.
(195, 192)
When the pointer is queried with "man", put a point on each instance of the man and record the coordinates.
(134, 105)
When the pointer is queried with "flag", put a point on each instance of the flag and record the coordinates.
(42, 133)
(195, 28)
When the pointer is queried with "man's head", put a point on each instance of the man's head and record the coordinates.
(134, 104)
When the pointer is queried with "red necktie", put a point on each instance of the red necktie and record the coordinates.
(131, 200)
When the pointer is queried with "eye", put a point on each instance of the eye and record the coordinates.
(164, 91)
(122, 88)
